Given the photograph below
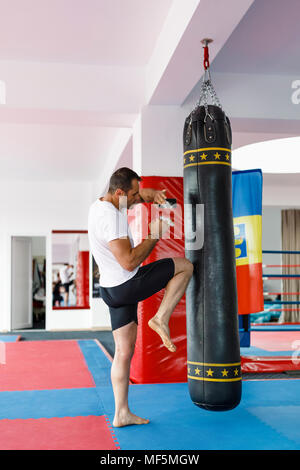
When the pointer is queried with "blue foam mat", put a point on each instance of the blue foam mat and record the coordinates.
(177, 424)
(99, 365)
(9, 338)
(50, 403)
(267, 417)
(275, 327)
(253, 351)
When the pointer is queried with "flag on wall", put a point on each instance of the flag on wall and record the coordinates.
(247, 220)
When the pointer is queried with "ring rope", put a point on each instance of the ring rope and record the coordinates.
(281, 265)
(281, 293)
(283, 252)
(283, 302)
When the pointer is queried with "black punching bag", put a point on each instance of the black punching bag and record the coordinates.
(214, 365)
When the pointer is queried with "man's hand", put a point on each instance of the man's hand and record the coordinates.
(158, 228)
(160, 197)
(153, 195)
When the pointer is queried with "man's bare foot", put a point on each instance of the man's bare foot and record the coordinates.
(127, 418)
(163, 331)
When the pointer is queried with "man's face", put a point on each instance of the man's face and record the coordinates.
(133, 195)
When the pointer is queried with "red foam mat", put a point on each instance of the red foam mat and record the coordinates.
(273, 341)
(77, 433)
(44, 365)
(258, 364)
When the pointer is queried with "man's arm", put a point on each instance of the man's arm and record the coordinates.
(129, 258)
(152, 195)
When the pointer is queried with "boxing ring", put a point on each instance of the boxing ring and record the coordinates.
(279, 305)
(274, 345)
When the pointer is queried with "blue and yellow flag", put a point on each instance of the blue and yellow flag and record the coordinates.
(247, 219)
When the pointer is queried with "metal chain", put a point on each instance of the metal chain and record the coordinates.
(206, 91)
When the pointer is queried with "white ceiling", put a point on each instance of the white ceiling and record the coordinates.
(266, 41)
(74, 78)
(261, 53)
(94, 32)
(253, 73)
(78, 72)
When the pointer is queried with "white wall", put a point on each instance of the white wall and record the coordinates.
(282, 195)
(38, 246)
(157, 141)
(35, 209)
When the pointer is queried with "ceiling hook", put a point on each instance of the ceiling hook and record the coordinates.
(206, 41)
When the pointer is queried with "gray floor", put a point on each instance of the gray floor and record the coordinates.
(105, 337)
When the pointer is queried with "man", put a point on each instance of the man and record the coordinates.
(57, 297)
(65, 276)
(123, 283)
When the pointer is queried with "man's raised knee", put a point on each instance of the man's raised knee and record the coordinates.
(189, 267)
(183, 265)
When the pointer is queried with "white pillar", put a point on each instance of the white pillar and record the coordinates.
(157, 141)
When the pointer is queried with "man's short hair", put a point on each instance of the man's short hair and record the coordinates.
(122, 179)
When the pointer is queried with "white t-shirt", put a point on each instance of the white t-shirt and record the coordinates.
(65, 274)
(106, 223)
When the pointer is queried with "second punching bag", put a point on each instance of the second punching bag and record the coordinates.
(213, 349)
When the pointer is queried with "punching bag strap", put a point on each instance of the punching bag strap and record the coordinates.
(228, 131)
(209, 128)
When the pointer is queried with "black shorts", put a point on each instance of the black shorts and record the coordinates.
(123, 299)
(66, 285)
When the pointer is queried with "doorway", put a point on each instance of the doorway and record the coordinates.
(28, 283)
